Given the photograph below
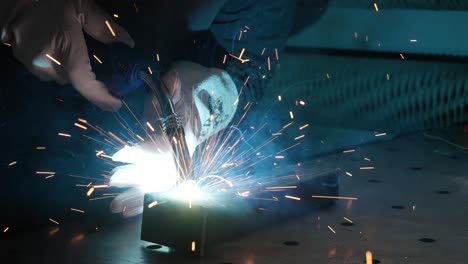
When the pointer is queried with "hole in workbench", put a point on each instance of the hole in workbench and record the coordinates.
(153, 247)
(392, 149)
(399, 207)
(443, 192)
(347, 224)
(374, 261)
(291, 243)
(374, 181)
(427, 240)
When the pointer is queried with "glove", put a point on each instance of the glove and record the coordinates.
(47, 37)
(205, 98)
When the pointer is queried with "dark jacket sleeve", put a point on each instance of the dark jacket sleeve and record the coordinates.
(257, 29)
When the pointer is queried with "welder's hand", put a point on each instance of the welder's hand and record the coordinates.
(47, 37)
(205, 98)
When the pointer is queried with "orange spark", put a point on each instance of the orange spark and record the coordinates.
(98, 60)
(299, 137)
(80, 126)
(53, 59)
(90, 191)
(369, 257)
(293, 197)
(110, 28)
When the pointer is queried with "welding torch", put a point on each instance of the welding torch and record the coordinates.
(126, 71)
(172, 126)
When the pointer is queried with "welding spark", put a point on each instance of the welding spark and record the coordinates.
(6, 229)
(99, 153)
(281, 187)
(331, 229)
(82, 120)
(40, 148)
(367, 159)
(279, 98)
(402, 56)
(299, 137)
(276, 53)
(45, 172)
(116, 15)
(334, 197)
(90, 191)
(6, 44)
(150, 126)
(50, 176)
(153, 204)
(381, 134)
(349, 151)
(53, 221)
(366, 168)
(242, 53)
(77, 210)
(287, 125)
(53, 59)
(64, 135)
(157, 56)
(349, 174)
(292, 197)
(369, 259)
(376, 7)
(388, 77)
(244, 194)
(98, 60)
(291, 114)
(12, 163)
(100, 186)
(80, 126)
(193, 246)
(347, 219)
(150, 71)
(110, 28)
(304, 126)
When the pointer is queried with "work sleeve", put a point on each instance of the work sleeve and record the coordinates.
(9, 10)
(253, 33)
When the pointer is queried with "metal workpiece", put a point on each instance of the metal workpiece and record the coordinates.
(191, 226)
